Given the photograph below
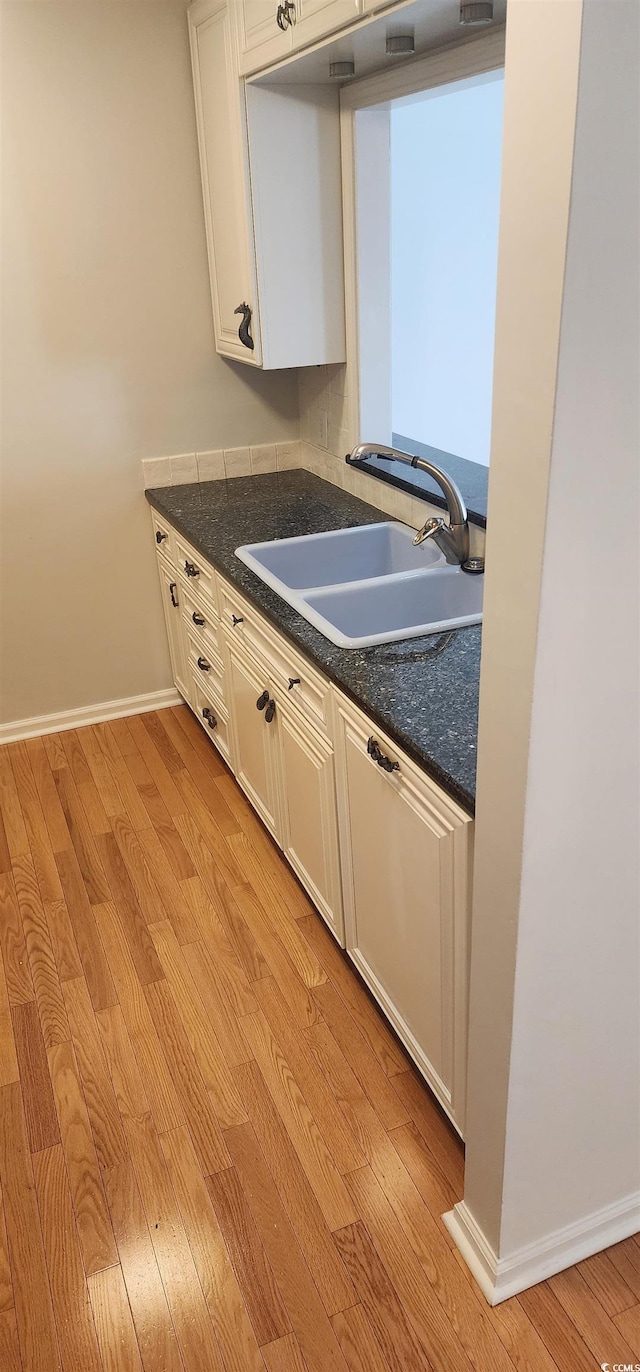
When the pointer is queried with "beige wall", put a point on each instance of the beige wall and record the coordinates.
(107, 342)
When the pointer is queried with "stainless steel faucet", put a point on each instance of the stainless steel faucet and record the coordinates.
(452, 538)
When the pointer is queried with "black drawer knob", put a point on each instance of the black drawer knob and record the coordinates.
(210, 717)
(173, 586)
(198, 619)
(160, 537)
(237, 619)
(204, 665)
(262, 700)
(270, 711)
(191, 569)
(293, 681)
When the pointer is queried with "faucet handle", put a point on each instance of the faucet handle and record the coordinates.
(432, 526)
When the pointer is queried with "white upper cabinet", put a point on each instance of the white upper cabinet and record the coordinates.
(271, 178)
(269, 30)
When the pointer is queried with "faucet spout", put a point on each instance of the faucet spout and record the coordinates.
(453, 538)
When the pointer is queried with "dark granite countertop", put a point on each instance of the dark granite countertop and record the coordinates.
(423, 691)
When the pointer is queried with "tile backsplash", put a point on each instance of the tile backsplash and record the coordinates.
(220, 463)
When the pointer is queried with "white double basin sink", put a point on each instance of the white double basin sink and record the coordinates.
(369, 584)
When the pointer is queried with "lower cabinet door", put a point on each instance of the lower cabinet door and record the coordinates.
(405, 861)
(309, 821)
(175, 630)
(255, 735)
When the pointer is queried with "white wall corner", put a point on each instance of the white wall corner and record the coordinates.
(500, 1278)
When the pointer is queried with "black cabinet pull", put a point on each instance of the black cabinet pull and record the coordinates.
(289, 13)
(198, 619)
(375, 752)
(210, 717)
(245, 310)
(204, 665)
(191, 569)
(173, 586)
(160, 537)
(293, 681)
(280, 21)
(262, 700)
(270, 711)
(237, 619)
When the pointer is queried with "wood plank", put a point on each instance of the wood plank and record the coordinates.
(224, 932)
(5, 855)
(159, 1087)
(8, 1060)
(222, 1015)
(365, 1124)
(42, 963)
(91, 801)
(430, 1323)
(159, 853)
(63, 943)
(370, 1022)
(360, 1348)
(299, 1123)
(556, 1330)
(202, 762)
(379, 1301)
(603, 1336)
(309, 1320)
(71, 741)
(332, 1123)
(10, 1360)
(284, 1355)
(439, 1135)
(14, 826)
(253, 1272)
(189, 1082)
(204, 1045)
(213, 874)
(100, 1100)
(82, 840)
(123, 1067)
(95, 965)
(222, 1293)
(100, 776)
(54, 750)
(161, 776)
(628, 1322)
(37, 1096)
(153, 725)
(606, 1284)
(521, 1340)
(143, 953)
(264, 871)
(422, 1167)
(142, 873)
(92, 1217)
(279, 963)
(114, 1325)
(150, 1313)
(194, 1330)
(39, 841)
(625, 1257)
(47, 794)
(130, 802)
(6, 1288)
(33, 1307)
(12, 944)
(375, 1083)
(202, 823)
(71, 1305)
(299, 1200)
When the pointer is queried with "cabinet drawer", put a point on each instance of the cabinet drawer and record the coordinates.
(307, 692)
(196, 571)
(204, 665)
(200, 624)
(163, 536)
(213, 718)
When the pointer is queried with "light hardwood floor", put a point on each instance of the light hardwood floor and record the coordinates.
(213, 1153)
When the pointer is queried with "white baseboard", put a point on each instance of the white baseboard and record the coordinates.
(499, 1278)
(88, 714)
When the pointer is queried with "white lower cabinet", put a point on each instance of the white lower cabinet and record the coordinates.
(383, 852)
(171, 604)
(255, 734)
(406, 866)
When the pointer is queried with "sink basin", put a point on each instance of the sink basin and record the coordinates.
(368, 585)
(361, 615)
(342, 555)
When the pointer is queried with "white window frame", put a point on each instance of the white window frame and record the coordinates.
(469, 58)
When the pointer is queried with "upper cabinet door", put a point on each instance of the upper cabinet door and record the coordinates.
(316, 18)
(264, 32)
(225, 182)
